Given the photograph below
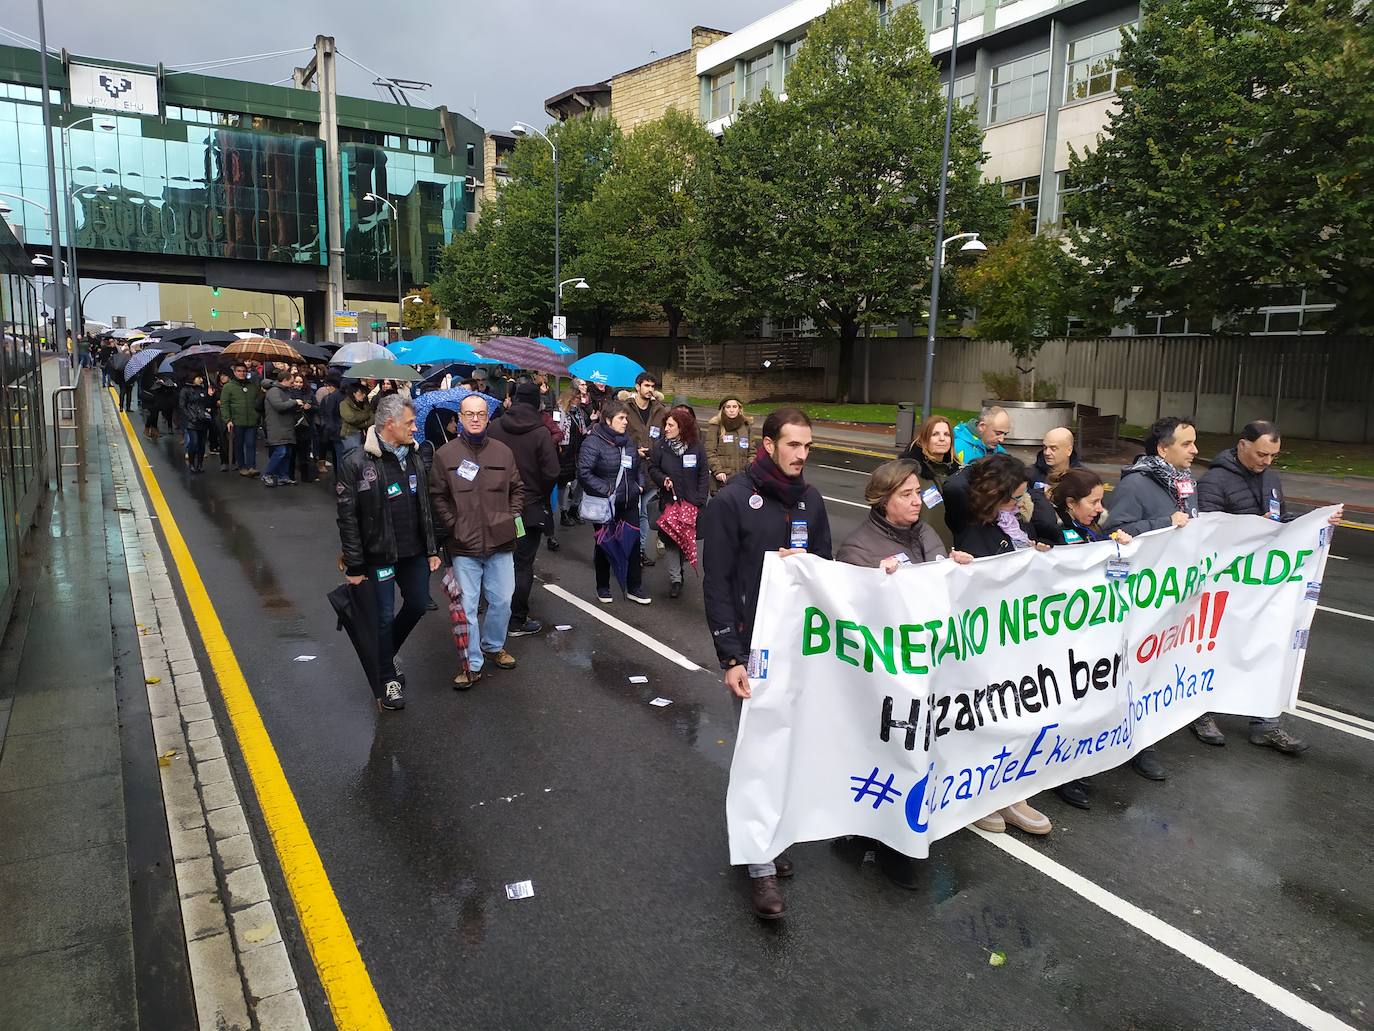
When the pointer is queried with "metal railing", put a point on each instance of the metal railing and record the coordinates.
(69, 416)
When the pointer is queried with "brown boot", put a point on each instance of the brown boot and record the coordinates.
(502, 659)
(768, 903)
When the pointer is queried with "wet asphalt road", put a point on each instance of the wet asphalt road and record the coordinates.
(560, 772)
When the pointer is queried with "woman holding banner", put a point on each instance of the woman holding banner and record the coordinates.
(933, 453)
(893, 538)
(999, 509)
(1077, 499)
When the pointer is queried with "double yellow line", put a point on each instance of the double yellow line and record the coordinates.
(352, 998)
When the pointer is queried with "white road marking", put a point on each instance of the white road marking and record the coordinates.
(1343, 612)
(1267, 991)
(842, 501)
(1333, 724)
(635, 635)
(838, 469)
(1335, 714)
(1340, 558)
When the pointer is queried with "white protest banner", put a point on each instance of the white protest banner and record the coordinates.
(903, 707)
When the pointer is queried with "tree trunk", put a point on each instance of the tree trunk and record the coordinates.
(674, 317)
(849, 335)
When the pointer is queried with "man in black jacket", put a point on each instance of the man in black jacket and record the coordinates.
(768, 507)
(387, 532)
(1242, 481)
(522, 429)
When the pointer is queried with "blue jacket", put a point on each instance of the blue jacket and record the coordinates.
(969, 447)
(598, 465)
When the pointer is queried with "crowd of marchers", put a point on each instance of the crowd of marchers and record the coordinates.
(957, 494)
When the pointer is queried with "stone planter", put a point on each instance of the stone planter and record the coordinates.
(1031, 420)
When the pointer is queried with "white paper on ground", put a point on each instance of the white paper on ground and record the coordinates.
(304, 658)
(563, 626)
(520, 890)
(661, 702)
(639, 680)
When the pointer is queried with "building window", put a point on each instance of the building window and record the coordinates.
(1092, 67)
(419, 146)
(1290, 311)
(472, 155)
(1019, 87)
(1024, 194)
(965, 91)
(789, 54)
(887, 7)
(723, 94)
(757, 75)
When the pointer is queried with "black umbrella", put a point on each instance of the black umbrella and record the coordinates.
(181, 335)
(214, 336)
(356, 607)
(311, 352)
(117, 363)
(159, 344)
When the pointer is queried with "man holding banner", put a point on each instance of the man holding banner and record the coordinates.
(767, 509)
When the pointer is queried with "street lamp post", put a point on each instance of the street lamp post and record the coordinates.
(266, 331)
(939, 258)
(577, 283)
(520, 129)
(396, 221)
(64, 369)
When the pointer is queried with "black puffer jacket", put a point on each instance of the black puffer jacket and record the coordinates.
(194, 405)
(688, 484)
(738, 535)
(522, 430)
(1230, 487)
(364, 516)
(598, 465)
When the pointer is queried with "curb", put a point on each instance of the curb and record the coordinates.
(239, 963)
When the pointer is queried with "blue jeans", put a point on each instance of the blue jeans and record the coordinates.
(195, 444)
(494, 577)
(412, 577)
(246, 447)
(646, 503)
(279, 465)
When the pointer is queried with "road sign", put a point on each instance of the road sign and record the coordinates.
(560, 327)
(346, 321)
(379, 325)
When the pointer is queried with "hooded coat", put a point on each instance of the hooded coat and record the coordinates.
(969, 447)
(523, 430)
(1143, 501)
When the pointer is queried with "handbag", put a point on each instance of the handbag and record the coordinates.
(597, 509)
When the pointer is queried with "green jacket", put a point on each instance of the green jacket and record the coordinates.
(353, 420)
(238, 402)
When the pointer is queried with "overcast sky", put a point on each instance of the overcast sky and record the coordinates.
(503, 57)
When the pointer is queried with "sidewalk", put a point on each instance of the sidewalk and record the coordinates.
(115, 907)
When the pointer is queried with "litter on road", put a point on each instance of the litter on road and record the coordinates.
(639, 680)
(304, 658)
(661, 702)
(520, 890)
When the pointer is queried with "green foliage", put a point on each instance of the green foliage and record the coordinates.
(1012, 386)
(1242, 156)
(501, 273)
(419, 315)
(823, 206)
(1024, 289)
(642, 225)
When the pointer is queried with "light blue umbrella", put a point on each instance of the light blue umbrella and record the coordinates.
(556, 346)
(446, 399)
(434, 350)
(362, 351)
(610, 370)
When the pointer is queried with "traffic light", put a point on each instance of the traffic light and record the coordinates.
(300, 327)
(214, 290)
(214, 313)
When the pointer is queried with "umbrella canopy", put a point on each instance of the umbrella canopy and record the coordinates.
(679, 523)
(556, 346)
(434, 350)
(204, 352)
(362, 351)
(214, 336)
(117, 363)
(311, 352)
(141, 361)
(165, 369)
(610, 370)
(128, 334)
(158, 344)
(448, 400)
(620, 542)
(356, 607)
(181, 335)
(382, 368)
(524, 353)
(262, 349)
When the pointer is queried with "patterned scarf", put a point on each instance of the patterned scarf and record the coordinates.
(772, 482)
(1166, 476)
(399, 450)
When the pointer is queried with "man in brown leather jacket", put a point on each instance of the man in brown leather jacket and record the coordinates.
(477, 497)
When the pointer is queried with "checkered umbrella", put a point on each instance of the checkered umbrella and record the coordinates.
(679, 522)
(263, 349)
(457, 616)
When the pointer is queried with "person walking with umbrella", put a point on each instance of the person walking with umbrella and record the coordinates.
(608, 468)
(195, 401)
(478, 499)
(678, 465)
(238, 405)
(387, 533)
(770, 508)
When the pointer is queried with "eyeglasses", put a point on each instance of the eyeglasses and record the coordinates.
(1018, 498)
(474, 415)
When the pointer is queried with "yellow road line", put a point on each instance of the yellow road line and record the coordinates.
(352, 998)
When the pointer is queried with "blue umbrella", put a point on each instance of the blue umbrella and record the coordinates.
(362, 351)
(447, 399)
(141, 361)
(620, 541)
(165, 369)
(556, 346)
(610, 370)
(433, 350)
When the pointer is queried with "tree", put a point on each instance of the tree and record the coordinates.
(501, 273)
(1024, 289)
(420, 315)
(823, 206)
(642, 226)
(1241, 157)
